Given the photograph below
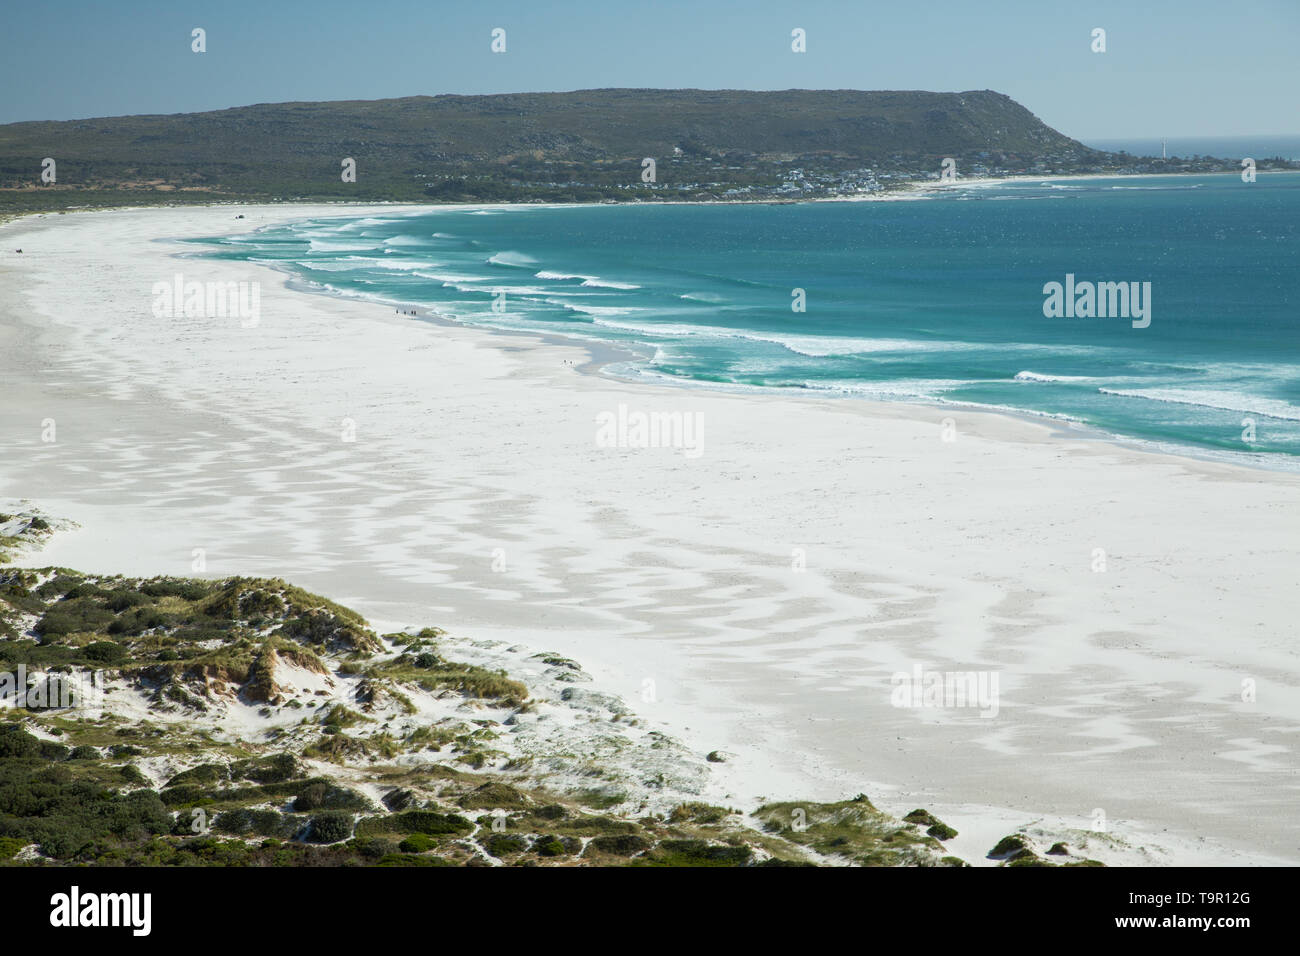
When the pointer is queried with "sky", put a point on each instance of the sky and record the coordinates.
(1170, 68)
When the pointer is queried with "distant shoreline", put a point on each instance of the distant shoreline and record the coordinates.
(900, 192)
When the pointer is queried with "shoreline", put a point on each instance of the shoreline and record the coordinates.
(494, 356)
(902, 191)
(602, 354)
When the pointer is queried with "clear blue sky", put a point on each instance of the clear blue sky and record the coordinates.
(1172, 67)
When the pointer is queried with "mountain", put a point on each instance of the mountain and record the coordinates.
(525, 145)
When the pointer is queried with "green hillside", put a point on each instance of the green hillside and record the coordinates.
(579, 145)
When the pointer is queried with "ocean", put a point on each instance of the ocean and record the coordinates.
(1221, 147)
(939, 299)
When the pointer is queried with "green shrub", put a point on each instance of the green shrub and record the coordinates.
(626, 844)
(266, 823)
(184, 795)
(322, 795)
(186, 588)
(16, 742)
(408, 859)
(556, 846)
(416, 821)
(203, 773)
(491, 796)
(330, 826)
(273, 769)
(398, 799)
(124, 600)
(701, 853)
(505, 844)
(1012, 846)
(373, 848)
(416, 843)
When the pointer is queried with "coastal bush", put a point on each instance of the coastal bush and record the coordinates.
(505, 844)
(86, 589)
(19, 597)
(701, 813)
(324, 629)
(416, 843)
(627, 844)
(415, 821)
(465, 678)
(491, 796)
(322, 795)
(556, 846)
(850, 829)
(16, 742)
(339, 718)
(337, 748)
(273, 769)
(1010, 846)
(185, 795)
(602, 799)
(373, 848)
(58, 586)
(188, 589)
(64, 812)
(701, 853)
(267, 823)
(138, 621)
(599, 826)
(203, 773)
(398, 799)
(330, 826)
(124, 600)
(409, 859)
(73, 617)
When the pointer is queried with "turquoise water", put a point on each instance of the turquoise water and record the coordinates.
(937, 299)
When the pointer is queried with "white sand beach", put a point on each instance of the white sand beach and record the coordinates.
(754, 599)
